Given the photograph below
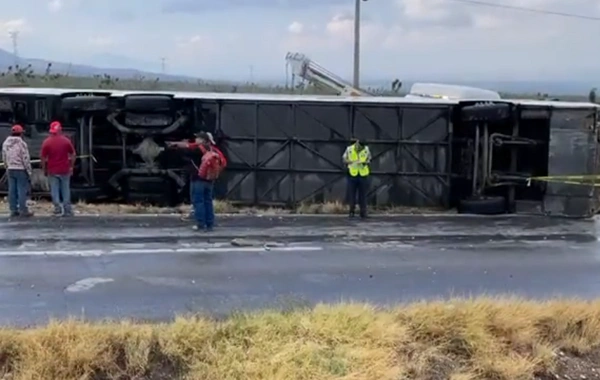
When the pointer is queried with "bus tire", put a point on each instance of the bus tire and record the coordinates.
(483, 206)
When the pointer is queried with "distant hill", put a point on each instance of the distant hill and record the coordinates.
(39, 66)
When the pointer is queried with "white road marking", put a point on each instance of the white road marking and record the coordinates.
(101, 252)
(87, 284)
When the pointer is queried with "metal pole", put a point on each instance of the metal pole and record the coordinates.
(474, 191)
(357, 43)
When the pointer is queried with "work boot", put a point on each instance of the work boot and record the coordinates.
(67, 210)
(14, 214)
(26, 214)
(57, 211)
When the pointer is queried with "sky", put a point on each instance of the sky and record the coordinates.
(248, 39)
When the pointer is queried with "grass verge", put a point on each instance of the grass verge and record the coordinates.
(42, 207)
(503, 339)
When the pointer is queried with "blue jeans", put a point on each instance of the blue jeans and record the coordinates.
(202, 200)
(60, 190)
(18, 187)
(191, 196)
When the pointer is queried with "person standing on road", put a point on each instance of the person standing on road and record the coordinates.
(357, 157)
(58, 159)
(211, 166)
(195, 150)
(213, 146)
(17, 161)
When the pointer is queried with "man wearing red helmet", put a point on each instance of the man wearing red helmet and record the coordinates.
(16, 158)
(58, 158)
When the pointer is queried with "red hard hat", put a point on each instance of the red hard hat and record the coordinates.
(17, 129)
(55, 127)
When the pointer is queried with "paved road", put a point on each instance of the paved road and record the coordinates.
(148, 281)
(16, 232)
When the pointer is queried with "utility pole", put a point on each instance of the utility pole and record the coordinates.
(357, 43)
(163, 65)
(14, 36)
(251, 67)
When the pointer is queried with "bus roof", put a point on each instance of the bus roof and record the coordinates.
(47, 91)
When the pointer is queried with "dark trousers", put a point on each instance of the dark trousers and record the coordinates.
(357, 188)
(192, 179)
(202, 199)
(18, 187)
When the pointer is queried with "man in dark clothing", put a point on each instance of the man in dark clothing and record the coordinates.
(58, 158)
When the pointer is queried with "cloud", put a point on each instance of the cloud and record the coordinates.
(195, 40)
(55, 5)
(296, 27)
(425, 13)
(122, 15)
(101, 41)
(411, 37)
(194, 46)
(199, 6)
(335, 35)
(17, 25)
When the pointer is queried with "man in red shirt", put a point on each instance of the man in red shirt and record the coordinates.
(195, 150)
(58, 158)
(211, 166)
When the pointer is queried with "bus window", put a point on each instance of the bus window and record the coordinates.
(41, 111)
(20, 112)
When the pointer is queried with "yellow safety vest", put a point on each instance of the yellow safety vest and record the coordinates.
(361, 168)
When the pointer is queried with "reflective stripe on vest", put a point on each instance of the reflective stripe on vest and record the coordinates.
(361, 168)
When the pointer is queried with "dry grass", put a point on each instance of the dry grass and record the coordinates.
(506, 339)
(42, 207)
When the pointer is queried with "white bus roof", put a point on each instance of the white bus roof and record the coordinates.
(451, 91)
(43, 91)
(224, 95)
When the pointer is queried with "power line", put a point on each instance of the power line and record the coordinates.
(525, 9)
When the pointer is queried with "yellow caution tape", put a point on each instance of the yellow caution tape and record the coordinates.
(39, 161)
(588, 180)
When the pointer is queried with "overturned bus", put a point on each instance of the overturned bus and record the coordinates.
(283, 150)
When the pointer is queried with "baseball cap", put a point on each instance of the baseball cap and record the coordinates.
(202, 135)
(206, 136)
(211, 138)
(55, 127)
(17, 129)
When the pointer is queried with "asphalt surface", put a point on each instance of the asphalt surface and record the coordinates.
(290, 228)
(151, 278)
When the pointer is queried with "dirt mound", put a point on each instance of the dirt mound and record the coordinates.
(501, 339)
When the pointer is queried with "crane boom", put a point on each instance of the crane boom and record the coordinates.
(311, 71)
